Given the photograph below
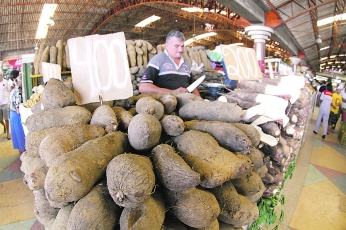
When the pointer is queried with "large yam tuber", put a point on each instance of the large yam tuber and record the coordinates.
(149, 105)
(215, 164)
(57, 95)
(57, 118)
(150, 215)
(185, 98)
(251, 132)
(194, 207)
(73, 175)
(247, 214)
(130, 179)
(60, 222)
(104, 116)
(44, 213)
(227, 196)
(35, 172)
(206, 110)
(226, 134)
(173, 125)
(123, 117)
(168, 101)
(60, 46)
(95, 211)
(144, 131)
(53, 52)
(67, 139)
(171, 170)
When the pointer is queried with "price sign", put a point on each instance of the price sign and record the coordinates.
(240, 63)
(99, 67)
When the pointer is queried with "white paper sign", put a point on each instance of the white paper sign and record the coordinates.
(50, 71)
(99, 67)
(240, 63)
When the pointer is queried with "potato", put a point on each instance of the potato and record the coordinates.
(144, 131)
(227, 135)
(57, 118)
(215, 164)
(95, 211)
(171, 170)
(150, 215)
(194, 207)
(74, 174)
(67, 139)
(130, 179)
(57, 95)
(207, 110)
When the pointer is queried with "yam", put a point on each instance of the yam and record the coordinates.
(131, 52)
(256, 156)
(247, 214)
(250, 186)
(35, 172)
(94, 105)
(171, 170)
(144, 131)
(60, 222)
(231, 98)
(271, 128)
(173, 125)
(44, 58)
(227, 196)
(194, 207)
(168, 101)
(67, 139)
(185, 98)
(211, 111)
(44, 213)
(57, 95)
(57, 118)
(59, 45)
(123, 117)
(224, 226)
(172, 222)
(215, 164)
(150, 215)
(37, 62)
(67, 55)
(227, 135)
(145, 53)
(53, 52)
(104, 116)
(73, 175)
(251, 132)
(64, 63)
(95, 211)
(149, 105)
(130, 179)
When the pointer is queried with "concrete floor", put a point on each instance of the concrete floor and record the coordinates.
(315, 196)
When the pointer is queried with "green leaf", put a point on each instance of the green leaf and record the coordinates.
(282, 216)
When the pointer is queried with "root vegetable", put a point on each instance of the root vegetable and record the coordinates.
(67, 139)
(144, 131)
(195, 207)
(60, 46)
(57, 118)
(227, 196)
(95, 211)
(173, 125)
(57, 95)
(104, 116)
(215, 164)
(171, 170)
(224, 226)
(247, 214)
(168, 101)
(185, 98)
(149, 105)
(53, 52)
(271, 128)
(150, 215)
(123, 117)
(44, 213)
(211, 111)
(130, 179)
(256, 156)
(251, 132)
(60, 222)
(35, 172)
(226, 134)
(73, 175)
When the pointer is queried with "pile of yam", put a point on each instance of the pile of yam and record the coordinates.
(161, 165)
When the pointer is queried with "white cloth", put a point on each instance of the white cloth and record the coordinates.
(343, 95)
(4, 92)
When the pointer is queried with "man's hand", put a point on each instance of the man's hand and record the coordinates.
(181, 90)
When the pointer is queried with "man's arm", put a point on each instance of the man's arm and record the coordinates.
(150, 88)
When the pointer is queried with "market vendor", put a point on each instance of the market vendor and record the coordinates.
(168, 72)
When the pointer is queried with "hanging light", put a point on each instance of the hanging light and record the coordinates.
(318, 39)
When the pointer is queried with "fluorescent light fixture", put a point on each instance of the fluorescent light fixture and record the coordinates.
(147, 21)
(318, 39)
(325, 21)
(322, 64)
(324, 48)
(201, 36)
(333, 56)
(192, 9)
(46, 15)
(324, 58)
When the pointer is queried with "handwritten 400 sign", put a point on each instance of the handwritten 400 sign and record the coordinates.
(240, 63)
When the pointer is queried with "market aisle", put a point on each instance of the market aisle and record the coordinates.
(315, 195)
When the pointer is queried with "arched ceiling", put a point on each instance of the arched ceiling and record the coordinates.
(294, 23)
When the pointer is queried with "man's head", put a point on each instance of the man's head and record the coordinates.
(14, 74)
(175, 44)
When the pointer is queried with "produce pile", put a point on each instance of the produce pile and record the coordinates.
(163, 161)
